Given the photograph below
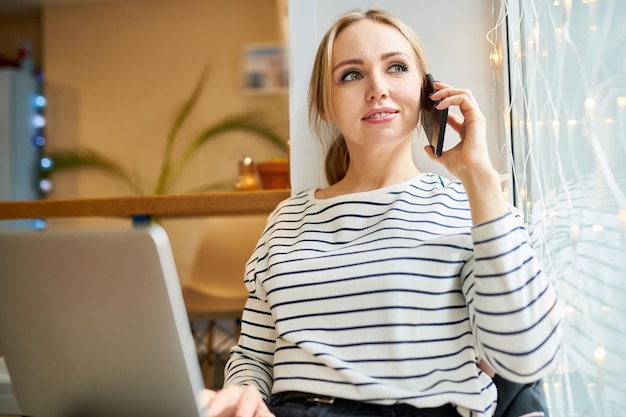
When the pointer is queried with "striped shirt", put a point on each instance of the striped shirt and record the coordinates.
(390, 296)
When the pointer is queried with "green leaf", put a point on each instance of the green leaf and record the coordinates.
(88, 158)
(180, 119)
(245, 122)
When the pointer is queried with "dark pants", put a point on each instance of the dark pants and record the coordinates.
(300, 405)
(515, 400)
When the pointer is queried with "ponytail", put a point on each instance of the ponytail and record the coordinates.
(337, 160)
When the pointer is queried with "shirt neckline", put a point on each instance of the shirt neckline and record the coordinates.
(364, 194)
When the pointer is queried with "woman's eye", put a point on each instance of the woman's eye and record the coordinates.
(398, 68)
(351, 76)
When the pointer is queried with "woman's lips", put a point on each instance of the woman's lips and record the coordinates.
(380, 115)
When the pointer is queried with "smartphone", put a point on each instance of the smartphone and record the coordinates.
(433, 121)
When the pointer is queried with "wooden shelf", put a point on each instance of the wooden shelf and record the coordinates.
(174, 205)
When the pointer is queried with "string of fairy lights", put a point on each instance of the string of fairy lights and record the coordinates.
(566, 60)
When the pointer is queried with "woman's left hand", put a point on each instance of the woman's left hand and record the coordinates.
(471, 152)
(469, 159)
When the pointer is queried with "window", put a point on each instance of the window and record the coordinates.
(567, 64)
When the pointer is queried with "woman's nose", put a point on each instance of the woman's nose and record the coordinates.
(377, 88)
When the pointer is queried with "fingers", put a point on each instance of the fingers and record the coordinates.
(252, 404)
(486, 368)
(204, 399)
(449, 96)
(236, 401)
(225, 402)
(455, 122)
(452, 91)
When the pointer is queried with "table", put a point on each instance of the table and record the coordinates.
(170, 205)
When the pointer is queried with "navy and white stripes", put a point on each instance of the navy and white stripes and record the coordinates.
(391, 296)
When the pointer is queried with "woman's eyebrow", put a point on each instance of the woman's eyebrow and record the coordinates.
(356, 61)
(348, 62)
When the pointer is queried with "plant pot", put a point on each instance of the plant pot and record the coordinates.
(273, 174)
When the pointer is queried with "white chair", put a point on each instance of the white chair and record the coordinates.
(214, 288)
(8, 402)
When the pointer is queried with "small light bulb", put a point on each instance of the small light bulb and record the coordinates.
(567, 4)
(558, 33)
(39, 101)
(622, 218)
(45, 185)
(575, 232)
(39, 224)
(45, 163)
(599, 354)
(38, 121)
(495, 58)
(590, 103)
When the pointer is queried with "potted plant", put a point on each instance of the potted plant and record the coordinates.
(274, 173)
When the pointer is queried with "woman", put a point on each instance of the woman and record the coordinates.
(381, 293)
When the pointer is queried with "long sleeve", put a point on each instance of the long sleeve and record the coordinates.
(514, 312)
(251, 361)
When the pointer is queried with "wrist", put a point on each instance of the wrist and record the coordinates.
(480, 177)
(484, 192)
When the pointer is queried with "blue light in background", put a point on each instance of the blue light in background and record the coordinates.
(45, 163)
(39, 101)
(38, 121)
(45, 185)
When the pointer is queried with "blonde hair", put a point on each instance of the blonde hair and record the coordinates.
(321, 112)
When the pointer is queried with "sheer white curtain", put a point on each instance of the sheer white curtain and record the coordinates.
(567, 66)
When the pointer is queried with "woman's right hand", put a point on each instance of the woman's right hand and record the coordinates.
(234, 401)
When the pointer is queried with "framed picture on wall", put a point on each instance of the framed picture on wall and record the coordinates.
(265, 69)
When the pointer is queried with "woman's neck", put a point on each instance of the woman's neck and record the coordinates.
(367, 176)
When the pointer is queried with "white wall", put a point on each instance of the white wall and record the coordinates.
(454, 36)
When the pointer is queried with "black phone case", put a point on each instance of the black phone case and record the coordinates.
(437, 116)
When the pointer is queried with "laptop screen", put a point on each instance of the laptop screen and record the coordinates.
(93, 323)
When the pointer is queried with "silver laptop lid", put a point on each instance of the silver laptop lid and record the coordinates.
(93, 323)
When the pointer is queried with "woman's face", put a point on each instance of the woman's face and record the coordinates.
(376, 85)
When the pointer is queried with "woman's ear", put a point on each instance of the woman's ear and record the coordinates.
(326, 116)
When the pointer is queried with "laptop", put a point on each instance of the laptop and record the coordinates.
(93, 324)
